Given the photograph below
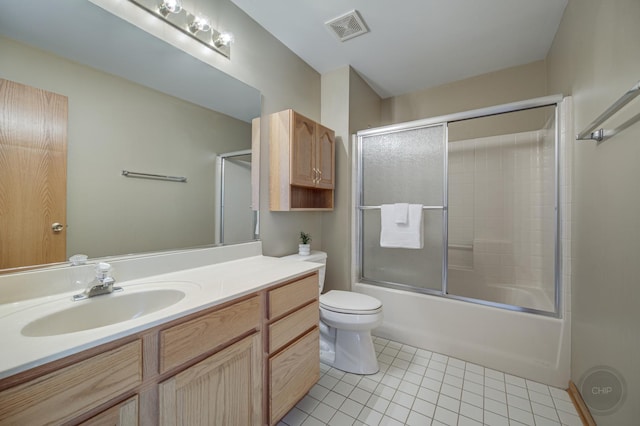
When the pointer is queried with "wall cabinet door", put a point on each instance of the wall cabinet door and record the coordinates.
(224, 389)
(303, 146)
(325, 157)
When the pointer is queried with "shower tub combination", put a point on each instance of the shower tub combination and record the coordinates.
(489, 285)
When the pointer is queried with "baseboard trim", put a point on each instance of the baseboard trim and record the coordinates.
(581, 406)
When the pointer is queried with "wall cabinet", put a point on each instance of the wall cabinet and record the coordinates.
(302, 163)
(246, 362)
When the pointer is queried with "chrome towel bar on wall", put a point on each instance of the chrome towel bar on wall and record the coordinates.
(590, 132)
(127, 173)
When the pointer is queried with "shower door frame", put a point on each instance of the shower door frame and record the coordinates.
(445, 120)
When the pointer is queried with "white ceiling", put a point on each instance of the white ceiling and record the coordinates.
(414, 44)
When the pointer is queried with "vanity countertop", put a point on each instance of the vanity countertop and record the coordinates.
(204, 286)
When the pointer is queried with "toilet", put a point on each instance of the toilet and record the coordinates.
(346, 321)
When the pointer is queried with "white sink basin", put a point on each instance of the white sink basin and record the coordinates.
(104, 310)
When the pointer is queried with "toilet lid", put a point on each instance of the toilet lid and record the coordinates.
(350, 302)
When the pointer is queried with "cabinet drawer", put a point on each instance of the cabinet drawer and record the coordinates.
(286, 298)
(292, 373)
(293, 325)
(69, 392)
(188, 340)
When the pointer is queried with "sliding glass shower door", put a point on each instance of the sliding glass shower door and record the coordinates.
(404, 166)
(488, 183)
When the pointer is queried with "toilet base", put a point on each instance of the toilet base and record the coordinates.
(349, 351)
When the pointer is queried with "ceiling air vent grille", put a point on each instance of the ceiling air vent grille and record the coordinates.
(347, 26)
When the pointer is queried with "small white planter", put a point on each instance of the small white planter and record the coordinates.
(304, 249)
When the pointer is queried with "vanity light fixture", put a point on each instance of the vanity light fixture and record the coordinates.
(195, 25)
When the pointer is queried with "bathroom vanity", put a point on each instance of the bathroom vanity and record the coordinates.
(240, 348)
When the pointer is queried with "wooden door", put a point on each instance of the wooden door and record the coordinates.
(33, 175)
(224, 389)
(302, 151)
(325, 157)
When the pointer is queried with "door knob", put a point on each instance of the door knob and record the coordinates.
(57, 227)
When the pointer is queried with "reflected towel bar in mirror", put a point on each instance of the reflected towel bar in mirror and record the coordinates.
(127, 173)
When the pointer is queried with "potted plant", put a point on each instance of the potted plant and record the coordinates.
(304, 248)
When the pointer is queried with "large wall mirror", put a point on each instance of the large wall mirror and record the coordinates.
(134, 103)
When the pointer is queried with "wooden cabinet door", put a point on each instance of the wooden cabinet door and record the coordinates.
(123, 414)
(325, 157)
(224, 389)
(292, 373)
(302, 151)
(33, 175)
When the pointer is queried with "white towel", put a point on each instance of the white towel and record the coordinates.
(399, 235)
(401, 212)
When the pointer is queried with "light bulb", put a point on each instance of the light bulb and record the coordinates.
(199, 23)
(223, 39)
(170, 6)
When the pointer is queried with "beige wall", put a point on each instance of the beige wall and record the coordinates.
(115, 125)
(495, 88)
(595, 58)
(348, 105)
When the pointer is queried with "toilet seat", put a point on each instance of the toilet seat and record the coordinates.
(347, 302)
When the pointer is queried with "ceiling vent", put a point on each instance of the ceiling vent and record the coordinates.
(347, 26)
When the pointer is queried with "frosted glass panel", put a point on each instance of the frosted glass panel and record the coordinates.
(404, 167)
(416, 268)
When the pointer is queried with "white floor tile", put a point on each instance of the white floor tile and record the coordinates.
(543, 421)
(295, 417)
(334, 400)
(369, 416)
(472, 398)
(419, 387)
(445, 416)
(397, 411)
(352, 408)
(492, 419)
(423, 407)
(521, 416)
(428, 395)
(449, 403)
(465, 421)
(323, 412)
(341, 419)
(360, 395)
(403, 399)
(417, 419)
(471, 411)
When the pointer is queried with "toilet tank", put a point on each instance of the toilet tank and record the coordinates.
(316, 257)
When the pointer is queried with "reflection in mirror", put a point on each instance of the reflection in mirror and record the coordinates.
(234, 198)
(134, 103)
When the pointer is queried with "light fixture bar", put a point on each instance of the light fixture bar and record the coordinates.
(195, 26)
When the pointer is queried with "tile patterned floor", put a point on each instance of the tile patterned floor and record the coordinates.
(422, 388)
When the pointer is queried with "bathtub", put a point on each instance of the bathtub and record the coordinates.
(468, 283)
(526, 345)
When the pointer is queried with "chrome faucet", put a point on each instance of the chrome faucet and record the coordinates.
(103, 283)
